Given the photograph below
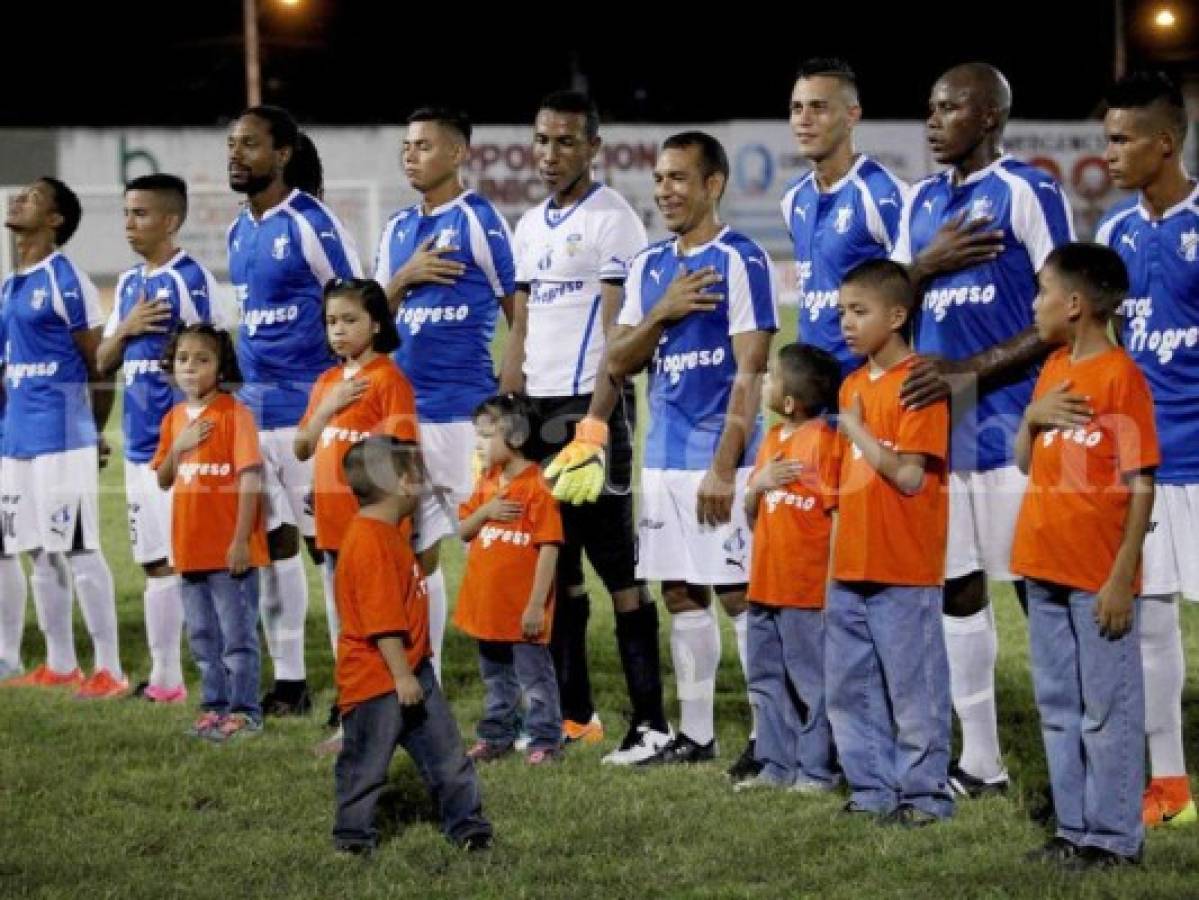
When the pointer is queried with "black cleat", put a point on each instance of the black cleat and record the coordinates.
(291, 704)
(682, 751)
(1089, 859)
(1056, 850)
(907, 816)
(746, 766)
(966, 785)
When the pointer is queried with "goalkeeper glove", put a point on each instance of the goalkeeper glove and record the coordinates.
(579, 467)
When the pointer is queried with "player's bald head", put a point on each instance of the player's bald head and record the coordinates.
(985, 86)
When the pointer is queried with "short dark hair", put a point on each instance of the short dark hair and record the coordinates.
(66, 204)
(374, 300)
(712, 158)
(454, 119)
(885, 278)
(1094, 270)
(280, 123)
(362, 462)
(1142, 90)
(514, 415)
(172, 187)
(829, 67)
(228, 372)
(304, 170)
(573, 103)
(811, 375)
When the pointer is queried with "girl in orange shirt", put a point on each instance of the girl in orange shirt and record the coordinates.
(208, 452)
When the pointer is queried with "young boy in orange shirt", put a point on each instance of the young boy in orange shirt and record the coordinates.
(385, 684)
(512, 525)
(790, 502)
(1089, 445)
(886, 670)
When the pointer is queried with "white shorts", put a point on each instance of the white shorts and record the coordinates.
(149, 509)
(447, 448)
(47, 500)
(1170, 560)
(983, 508)
(673, 546)
(287, 482)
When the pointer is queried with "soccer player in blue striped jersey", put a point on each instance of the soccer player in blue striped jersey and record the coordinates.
(49, 495)
(1156, 233)
(168, 289)
(283, 248)
(699, 313)
(447, 267)
(975, 236)
(843, 212)
(572, 255)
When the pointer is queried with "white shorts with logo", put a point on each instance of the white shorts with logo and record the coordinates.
(673, 546)
(149, 508)
(287, 482)
(983, 508)
(46, 500)
(447, 448)
(1170, 560)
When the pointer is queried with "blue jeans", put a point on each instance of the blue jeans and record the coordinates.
(508, 670)
(1091, 698)
(429, 733)
(887, 684)
(786, 688)
(222, 630)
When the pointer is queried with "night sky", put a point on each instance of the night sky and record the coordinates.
(354, 61)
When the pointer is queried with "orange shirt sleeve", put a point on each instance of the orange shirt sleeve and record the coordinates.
(924, 431)
(166, 437)
(477, 498)
(246, 454)
(314, 399)
(547, 521)
(399, 409)
(1136, 433)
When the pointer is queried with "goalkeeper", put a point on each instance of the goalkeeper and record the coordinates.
(571, 254)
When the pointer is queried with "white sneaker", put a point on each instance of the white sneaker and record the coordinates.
(523, 739)
(639, 744)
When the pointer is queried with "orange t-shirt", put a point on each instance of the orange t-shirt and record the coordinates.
(794, 523)
(204, 508)
(502, 559)
(883, 535)
(380, 592)
(386, 407)
(1072, 520)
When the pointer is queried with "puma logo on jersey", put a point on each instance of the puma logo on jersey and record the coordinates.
(802, 212)
(1130, 241)
(494, 233)
(656, 276)
(756, 260)
(889, 201)
(328, 235)
(164, 293)
(928, 206)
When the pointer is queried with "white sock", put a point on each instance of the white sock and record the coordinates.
(12, 610)
(695, 650)
(741, 632)
(972, 645)
(1165, 673)
(328, 571)
(51, 584)
(284, 593)
(163, 601)
(435, 585)
(97, 602)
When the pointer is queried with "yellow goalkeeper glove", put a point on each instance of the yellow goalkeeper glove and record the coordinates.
(580, 466)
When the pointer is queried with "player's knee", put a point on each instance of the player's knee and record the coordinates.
(733, 600)
(965, 596)
(160, 568)
(283, 542)
(680, 597)
(630, 599)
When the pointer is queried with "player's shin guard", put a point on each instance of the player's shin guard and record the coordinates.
(284, 592)
(163, 600)
(972, 646)
(97, 601)
(637, 642)
(51, 584)
(1165, 673)
(695, 650)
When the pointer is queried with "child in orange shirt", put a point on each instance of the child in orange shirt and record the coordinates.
(886, 670)
(385, 682)
(208, 452)
(365, 394)
(512, 525)
(1089, 446)
(790, 502)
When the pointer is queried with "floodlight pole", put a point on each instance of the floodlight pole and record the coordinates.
(253, 70)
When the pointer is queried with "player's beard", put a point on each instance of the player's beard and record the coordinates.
(255, 184)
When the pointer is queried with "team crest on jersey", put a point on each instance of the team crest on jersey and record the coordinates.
(802, 212)
(445, 238)
(734, 549)
(1188, 245)
(38, 300)
(279, 248)
(844, 218)
(574, 243)
(164, 293)
(980, 208)
(60, 520)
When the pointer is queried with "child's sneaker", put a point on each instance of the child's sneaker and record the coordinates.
(746, 765)
(543, 756)
(234, 727)
(156, 694)
(207, 723)
(1167, 801)
(483, 752)
(589, 732)
(102, 686)
(44, 676)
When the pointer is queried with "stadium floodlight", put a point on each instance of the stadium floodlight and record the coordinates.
(253, 64)
(1164, 18)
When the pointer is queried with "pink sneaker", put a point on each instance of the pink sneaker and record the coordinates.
(174, 695)
(543, 757)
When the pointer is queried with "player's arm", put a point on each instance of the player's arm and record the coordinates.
(512, 376)
(631, 347)
(337, 398)
(1115, 602)
(408, 689)
(532, 621)
(957, 245)
(145, 317)
(770, 475)
(87, 342)
(249, 495)
(904, 470)
(930, 378)
(496, 509)
(714, 500)
(607, 387)
(1058, 407)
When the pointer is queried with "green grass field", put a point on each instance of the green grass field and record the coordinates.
(112, 800)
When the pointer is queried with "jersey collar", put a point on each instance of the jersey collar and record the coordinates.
(42, 264)
(445, 207)
(1190, 200)
(696, 251)
(843, 180)
(982, 173)
(568, 211)
(169, 264)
